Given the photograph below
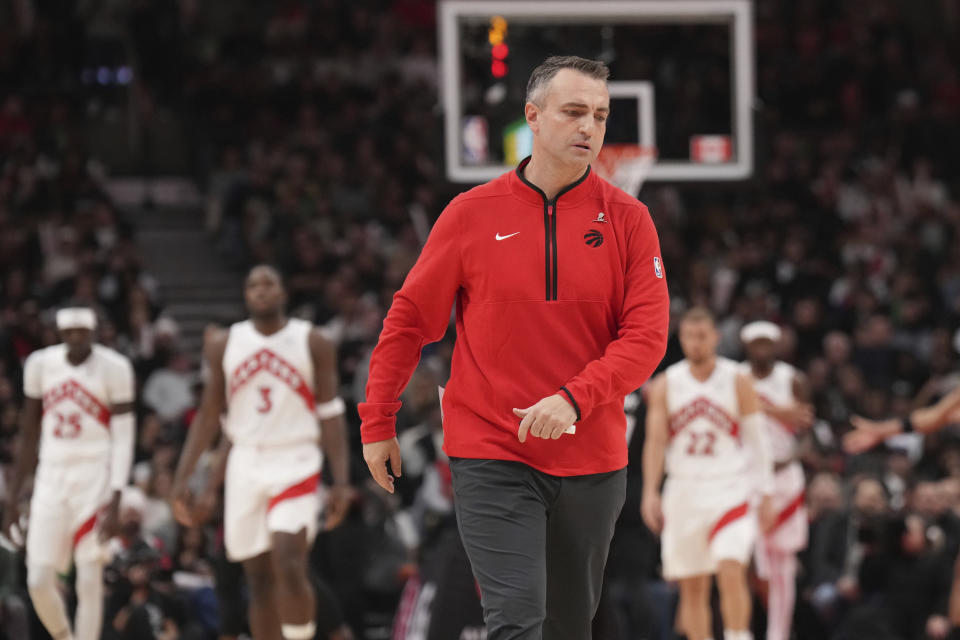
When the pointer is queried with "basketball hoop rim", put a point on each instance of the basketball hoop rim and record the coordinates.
(617, 156)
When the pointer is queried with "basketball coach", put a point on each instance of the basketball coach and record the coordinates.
(561, 310)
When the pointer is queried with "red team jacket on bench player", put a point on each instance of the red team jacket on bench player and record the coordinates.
(567, 296)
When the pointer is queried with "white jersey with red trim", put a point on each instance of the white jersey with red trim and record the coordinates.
(77, 400)
(270, 390)
(704, 423)
(777, 389)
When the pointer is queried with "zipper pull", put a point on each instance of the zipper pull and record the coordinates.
(550, 210)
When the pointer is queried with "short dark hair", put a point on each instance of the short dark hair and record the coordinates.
(544, 73)
(269, 268)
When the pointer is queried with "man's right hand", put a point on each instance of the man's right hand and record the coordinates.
(652, 512)
(203, 508)
(376, 455)
(181, 501)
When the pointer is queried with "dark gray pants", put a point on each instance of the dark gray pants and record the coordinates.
(537, 544)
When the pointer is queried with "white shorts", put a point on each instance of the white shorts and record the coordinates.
(704, 522)
(267, 490)
(67, 499)
(789, 534)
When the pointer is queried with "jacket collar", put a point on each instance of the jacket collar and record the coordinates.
(529, 192)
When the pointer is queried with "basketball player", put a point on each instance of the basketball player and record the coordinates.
(79, 406)
(702, 413)
(783, 395)
(274, 376)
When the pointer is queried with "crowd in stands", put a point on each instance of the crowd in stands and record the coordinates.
(322, 154)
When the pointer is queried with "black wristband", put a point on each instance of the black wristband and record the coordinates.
(573, 402)
(906, 426)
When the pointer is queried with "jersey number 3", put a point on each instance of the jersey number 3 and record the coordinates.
(701, 444)
(267, 404)
(68, 426)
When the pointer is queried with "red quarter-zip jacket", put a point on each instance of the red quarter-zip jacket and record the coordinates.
(563, 296)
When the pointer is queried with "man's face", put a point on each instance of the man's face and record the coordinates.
(698, 340)
(264, 293)
(77, 340)
(761, 352)
(869, 498)
(927, 500)
(571, 120)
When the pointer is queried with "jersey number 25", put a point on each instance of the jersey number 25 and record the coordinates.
(68, 426)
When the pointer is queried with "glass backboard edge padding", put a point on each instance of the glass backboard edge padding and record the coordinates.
(642, 90)
(596, 8)
(742, 93)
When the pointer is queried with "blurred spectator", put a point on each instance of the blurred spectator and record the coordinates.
(838, 548)
(157, 516)
(169, 389)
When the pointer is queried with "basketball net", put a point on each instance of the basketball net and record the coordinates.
(626, 165)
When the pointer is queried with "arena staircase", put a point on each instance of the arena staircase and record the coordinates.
(196, 286)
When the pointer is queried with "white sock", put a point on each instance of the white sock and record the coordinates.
(89, 601)
(299, 631)
(781, 600)
(50, 608)
(737, 635)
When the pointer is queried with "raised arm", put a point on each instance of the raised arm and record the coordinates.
(869, 433)
(205, 425)
(654, 449)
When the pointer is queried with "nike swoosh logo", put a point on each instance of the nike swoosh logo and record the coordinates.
(500, 237)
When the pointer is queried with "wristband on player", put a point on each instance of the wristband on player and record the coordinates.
(331, 408)
(906, 425)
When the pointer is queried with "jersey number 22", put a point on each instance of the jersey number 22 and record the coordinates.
(701, 444)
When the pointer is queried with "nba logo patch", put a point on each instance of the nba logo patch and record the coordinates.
(657, 268)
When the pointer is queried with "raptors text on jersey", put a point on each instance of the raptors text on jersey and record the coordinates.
(270, 383)
(77, 400)
(703, 422)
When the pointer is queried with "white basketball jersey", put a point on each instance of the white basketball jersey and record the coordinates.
(704, 422)
(269, 379)
(77, 400)
(777, 389)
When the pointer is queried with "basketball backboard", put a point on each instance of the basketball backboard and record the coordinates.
(682, 79)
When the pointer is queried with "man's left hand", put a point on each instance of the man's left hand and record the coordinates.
(548, 419)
